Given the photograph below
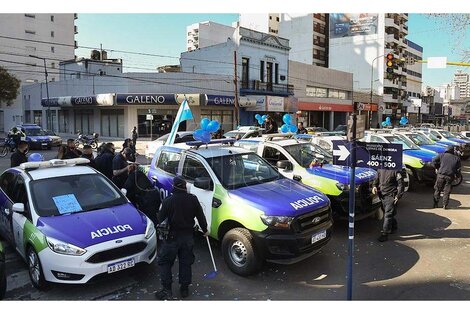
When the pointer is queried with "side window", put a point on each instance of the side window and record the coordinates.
(272, 155)
(324, 144)
(377, 139)
(21, 196)
(253, 147)
(192, 169)
(168, 162)
(7, 181)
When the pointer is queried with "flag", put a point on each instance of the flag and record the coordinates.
(184, 113)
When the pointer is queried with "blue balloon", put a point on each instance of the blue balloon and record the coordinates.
(263, 117)
(257, 116)
(213, 126)
(292, 128)
(206, 137)
(198, 134)
(35, 157)
(204, 122)
(260, 121)
(384, 124)
(287, 119)
(387, 119)
(284, 128)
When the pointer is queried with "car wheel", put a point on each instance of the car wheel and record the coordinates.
(3, 151)
(238, 249)
(35, 270)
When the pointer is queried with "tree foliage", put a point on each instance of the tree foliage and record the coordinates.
(9, 86)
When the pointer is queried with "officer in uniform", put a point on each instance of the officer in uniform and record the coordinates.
(389, 186)
(179, 210)
(447, 166)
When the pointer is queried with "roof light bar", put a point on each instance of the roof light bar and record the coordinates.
(53, 163)
(198, 143)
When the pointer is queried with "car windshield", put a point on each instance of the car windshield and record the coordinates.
(420, 139)
(405, 142)
(34, 132)
(233, 134)
(305, 153)
(72, 194)
(241, 170)
(446, 134)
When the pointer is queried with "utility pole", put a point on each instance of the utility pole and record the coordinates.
(352, 205)
(235, 81)
(48, 112)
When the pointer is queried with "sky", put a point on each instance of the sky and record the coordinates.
(165, 35)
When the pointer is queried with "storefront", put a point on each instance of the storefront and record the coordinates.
(323, 115)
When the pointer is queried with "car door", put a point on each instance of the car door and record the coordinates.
(163, 170)
(7, 182)
(193, 168)
(19, 195)
(273, 155)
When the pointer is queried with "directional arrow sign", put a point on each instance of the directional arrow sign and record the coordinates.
(369, 154)
(342, 152)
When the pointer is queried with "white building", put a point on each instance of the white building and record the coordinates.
(307, 33)
(462, 80)
(204, 34)
(49, 36)
(414, 79)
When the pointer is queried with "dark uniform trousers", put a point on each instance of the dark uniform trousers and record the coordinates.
(180, 246)
(443, 182)
(390, 223)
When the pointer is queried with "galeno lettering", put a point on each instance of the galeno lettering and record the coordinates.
(110, 230)
(145, 99)
(302, 203)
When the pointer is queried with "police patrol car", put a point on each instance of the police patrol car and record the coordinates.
(249, 206)
(244, 132)
(70, 223)
(421, 140)
(297, 159)
(447, 138)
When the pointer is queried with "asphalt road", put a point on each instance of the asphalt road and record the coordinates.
(426, 260)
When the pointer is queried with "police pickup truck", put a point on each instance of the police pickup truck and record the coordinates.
(254, 211)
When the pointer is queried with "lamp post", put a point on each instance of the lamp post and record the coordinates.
(48, 114)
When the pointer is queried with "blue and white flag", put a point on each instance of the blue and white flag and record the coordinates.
(184, 113)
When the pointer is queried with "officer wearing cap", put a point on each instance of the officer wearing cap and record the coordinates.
(179, 210)
(447, 166)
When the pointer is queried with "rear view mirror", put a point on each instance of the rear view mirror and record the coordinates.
(203, 183)
(18, 208)
(284, 165)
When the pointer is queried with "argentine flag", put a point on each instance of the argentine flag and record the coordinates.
(184, 113)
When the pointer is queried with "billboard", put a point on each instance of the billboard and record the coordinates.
(352, 24)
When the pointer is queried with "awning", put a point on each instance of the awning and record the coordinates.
(312, 106)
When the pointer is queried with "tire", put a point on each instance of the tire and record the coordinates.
(4, 151)
(94, 145)
(238, 249)
(35, 270)
(457, 181)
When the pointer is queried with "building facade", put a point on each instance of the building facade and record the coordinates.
(205, 34)
(414, 79)
(24, 37)
(462, 80)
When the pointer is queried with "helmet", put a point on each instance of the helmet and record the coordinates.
(35, 157)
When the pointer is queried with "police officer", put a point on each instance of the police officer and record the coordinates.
(389, 186)
(271, 125)
(180, 209)
(19, 156)
(447, 166)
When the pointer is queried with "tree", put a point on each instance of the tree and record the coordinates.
(9, 86)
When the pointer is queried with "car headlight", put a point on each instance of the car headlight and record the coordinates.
(342, 187)
(150, 230)
(64, 248)
(277, 221)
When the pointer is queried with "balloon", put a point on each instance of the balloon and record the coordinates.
(206, 137)
(35, 157)
(213, 126)
(284, 128)
(263, 117)
(287, 119)
(387, 119)
(260, 121)
(292, 128)
(204, 122)
(384, 124)
(257, 116)
(198, 134)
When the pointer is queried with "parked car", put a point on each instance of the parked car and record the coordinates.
(70, 223)
(244, 132)
(35, 136)
(466, 133)
(448, 137)
(341, 129)
(56, 140)
(3, 275)
(151, 147)
(254, 211)
(314, 130)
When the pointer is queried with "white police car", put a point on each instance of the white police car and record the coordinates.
(70, 223)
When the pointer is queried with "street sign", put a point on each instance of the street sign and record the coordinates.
(360, 126)
(369, 154)
(360, 106)
(149, 117)
(152, 111)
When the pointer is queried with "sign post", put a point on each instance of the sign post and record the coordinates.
(150, 118)
(352, 189)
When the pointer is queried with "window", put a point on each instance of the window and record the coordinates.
(277, 18)
(31, 32)
(270, 17)
(7, 181)
(245, 72)
(52, 33)
(272, 155)
(168, 162)
(19, 195)
(52, 18)
(317, 92)
(333, 93)
(192, 169)
(53, 79)
(52, 49)
(261, 71)
(269, 73)
(377, 139)
(30, 15)
(276, 73)
(53, 64)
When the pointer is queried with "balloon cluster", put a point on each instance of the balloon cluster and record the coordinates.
(288, 126)
(403, 120)
(260, 118)
(387, 122)
(207, 127)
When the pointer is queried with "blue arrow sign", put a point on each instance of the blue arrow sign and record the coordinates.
(369, 154)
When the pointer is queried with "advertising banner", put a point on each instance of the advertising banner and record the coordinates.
(260, 105)
(145, 98)
(100, 99)
(275, 104)
(353, 24)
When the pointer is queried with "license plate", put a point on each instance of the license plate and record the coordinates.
(116, 267)
(318, 236)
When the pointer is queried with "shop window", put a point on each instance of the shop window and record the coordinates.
(112, 123)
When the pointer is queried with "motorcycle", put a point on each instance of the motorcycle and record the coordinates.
(8, 145)
(85, 140)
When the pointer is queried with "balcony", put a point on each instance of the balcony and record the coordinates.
(75, 29)
(388, 98)
(256, 87)
(390, 22)
(404, 29)
(392, 38)
(390, 83)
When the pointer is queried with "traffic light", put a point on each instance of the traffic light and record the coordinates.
(390, 63)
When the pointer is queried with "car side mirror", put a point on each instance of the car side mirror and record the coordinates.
(203, 183)
(18, 208)
(124, 191)
(284, 165)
